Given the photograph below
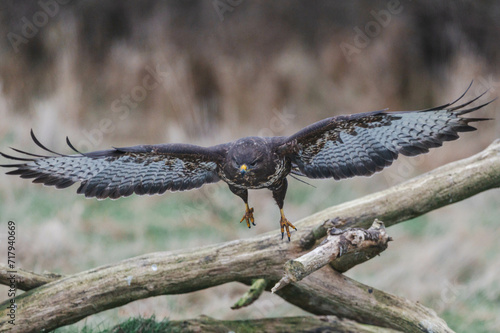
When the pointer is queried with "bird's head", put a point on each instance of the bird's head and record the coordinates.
(249, 164)
(248, 161)
(249, 157)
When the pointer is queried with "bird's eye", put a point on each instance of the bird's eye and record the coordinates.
(255, 162)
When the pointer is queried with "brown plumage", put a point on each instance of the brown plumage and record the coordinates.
(337, 147)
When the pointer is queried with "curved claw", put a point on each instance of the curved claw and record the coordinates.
(248, 216)
(285, 224)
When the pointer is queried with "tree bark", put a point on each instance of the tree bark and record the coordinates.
(325, 292)
(338, 243)
(72, 298)
(206, 324)
(256, 289)
(26, 280)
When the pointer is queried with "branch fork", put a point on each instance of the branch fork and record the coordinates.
(338, 243)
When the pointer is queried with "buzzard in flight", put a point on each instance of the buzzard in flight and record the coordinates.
(337, 147)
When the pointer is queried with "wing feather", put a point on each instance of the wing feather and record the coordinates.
(119, 172)
(365, 143)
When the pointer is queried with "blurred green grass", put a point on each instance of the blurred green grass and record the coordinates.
(139, 324)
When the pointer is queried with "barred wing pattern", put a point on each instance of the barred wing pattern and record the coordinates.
(362, 144)
(119, 172)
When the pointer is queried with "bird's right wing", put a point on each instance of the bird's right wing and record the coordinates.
(362, 144)
(119, 172)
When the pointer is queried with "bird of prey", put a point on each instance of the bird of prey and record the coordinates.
(337, 147)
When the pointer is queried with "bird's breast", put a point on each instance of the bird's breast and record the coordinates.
(257, 178)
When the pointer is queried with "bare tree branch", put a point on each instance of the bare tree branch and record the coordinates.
(26, 280)
(74, 297)
(325, 290)
(256, 289)
(360, 255)
(287, 324)
(337, 243)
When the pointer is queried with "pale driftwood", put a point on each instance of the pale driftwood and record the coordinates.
(269, 325)
(350, 259)
(71, 298)
(326, 292)
(26, 280)
(337, 243)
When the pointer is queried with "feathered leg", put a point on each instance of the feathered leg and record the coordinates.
(243, 194)
(279, 192)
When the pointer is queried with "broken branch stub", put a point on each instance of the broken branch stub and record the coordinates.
(338, 243)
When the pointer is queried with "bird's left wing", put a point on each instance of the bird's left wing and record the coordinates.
(119, 172)
(362, 144)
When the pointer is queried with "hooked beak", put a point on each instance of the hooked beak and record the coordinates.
(243, 169)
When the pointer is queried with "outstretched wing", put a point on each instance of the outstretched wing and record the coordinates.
(119, 172)
(362, 144)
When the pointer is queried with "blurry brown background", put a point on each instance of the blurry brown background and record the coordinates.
(117, 73)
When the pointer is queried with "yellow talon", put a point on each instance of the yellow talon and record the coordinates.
(248, 215)
(285, 224)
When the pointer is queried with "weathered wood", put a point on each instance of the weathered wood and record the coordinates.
(287, 324)
(325, 290)
(26, 280)
(71, 298)
(74, 297)
(256, 289)
(337, 243)
(354, 258)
